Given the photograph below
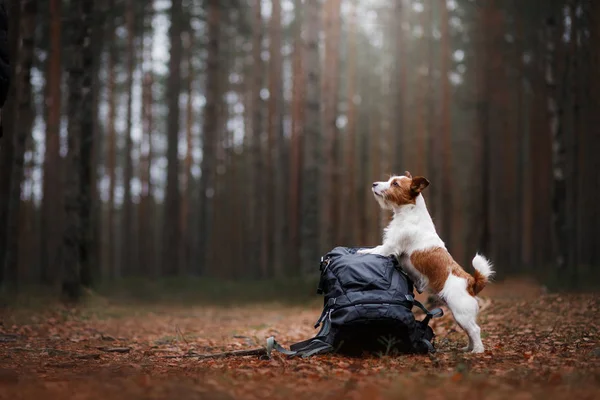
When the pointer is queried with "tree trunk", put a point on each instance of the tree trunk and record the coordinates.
(276, 210)
(447, 209)
(127, 223)
(349, 189)
(9, 124)
(330, 201)
(310, 249)
(210, 132)
(51, 209)
(21, 132)
(87, 180)
(186, 212)
(170, 262)
(257, 206)
(112, 270)
(146, 218)
(72, 238)
(298, 78)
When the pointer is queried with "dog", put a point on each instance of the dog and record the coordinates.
(412, 238)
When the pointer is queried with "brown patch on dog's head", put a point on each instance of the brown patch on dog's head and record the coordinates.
(399, 190)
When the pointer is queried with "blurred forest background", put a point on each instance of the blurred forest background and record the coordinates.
(238, 139)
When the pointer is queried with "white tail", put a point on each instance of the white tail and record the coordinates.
(483, 266)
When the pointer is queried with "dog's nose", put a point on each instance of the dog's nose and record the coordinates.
(375, 184)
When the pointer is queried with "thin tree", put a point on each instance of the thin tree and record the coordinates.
(298, 79)
(146, 218)
(170, 261)
(349, 189)
(9, 119)
(256, 180)
(21, 132)
(276, 199)
(446, 128)
(111, 268)
(210, 132)
(51, 209)
(87, 119)
(78, 39)
(310, 248)
(127, 225)
(186, 201)
(330, 87)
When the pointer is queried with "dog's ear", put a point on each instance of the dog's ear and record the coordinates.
(407, 174)
(418, 184)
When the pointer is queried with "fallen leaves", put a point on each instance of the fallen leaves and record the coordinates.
(537, 346)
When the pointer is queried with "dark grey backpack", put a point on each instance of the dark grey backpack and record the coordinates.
(368, 305)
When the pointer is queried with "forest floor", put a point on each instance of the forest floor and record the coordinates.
(538, 345)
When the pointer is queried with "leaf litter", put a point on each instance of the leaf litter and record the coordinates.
(538, 345)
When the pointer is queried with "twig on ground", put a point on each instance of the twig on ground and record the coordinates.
(115, 349)
(235, 353)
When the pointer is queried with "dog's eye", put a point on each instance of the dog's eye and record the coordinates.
(395, 183)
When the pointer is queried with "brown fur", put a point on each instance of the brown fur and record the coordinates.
(405, 191)
(437, 264)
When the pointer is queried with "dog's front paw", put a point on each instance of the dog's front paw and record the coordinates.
(364, 251)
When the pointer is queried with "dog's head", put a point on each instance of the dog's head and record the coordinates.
(399, 190)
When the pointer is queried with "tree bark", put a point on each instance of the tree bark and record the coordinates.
(310, 251)
(257, 206)
(86, 160)
(171, 232)
(127, 221)
(298, 80)
(21, 132)
(210, 132)
(78, 39)
(9, 119)
(330, 201)
(277, 200)
(111, 269)
(146, 227)
(349, 189)
(51, 209)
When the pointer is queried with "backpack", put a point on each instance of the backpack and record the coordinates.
(367, 309)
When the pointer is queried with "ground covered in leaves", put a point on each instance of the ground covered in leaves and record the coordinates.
(538, 345)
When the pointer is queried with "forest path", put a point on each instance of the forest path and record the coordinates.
(538, 346)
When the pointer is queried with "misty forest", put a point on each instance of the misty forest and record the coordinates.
(222, 147)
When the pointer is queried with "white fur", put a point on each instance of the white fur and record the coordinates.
(412, 229)
(483, 265)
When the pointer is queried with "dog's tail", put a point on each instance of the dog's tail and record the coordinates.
(483, 273)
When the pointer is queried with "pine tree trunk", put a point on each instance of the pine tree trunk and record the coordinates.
(9, 124)
(186, 212)
(276, 210)
(330, 201)
(170, 261)
(51, 206)
(112, 270)
(310, 249)
(87, 180)
(146, 215)
(21, 132)
(127, 224)
(210, 131)
(448, 209)
(349, 189)
(298, 78)
(257, 206)
(559, 189)
(77, 36)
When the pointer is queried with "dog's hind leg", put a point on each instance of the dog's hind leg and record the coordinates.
(464, 307)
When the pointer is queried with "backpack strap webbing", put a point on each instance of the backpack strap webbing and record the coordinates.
(429, 314)
(306, 348)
